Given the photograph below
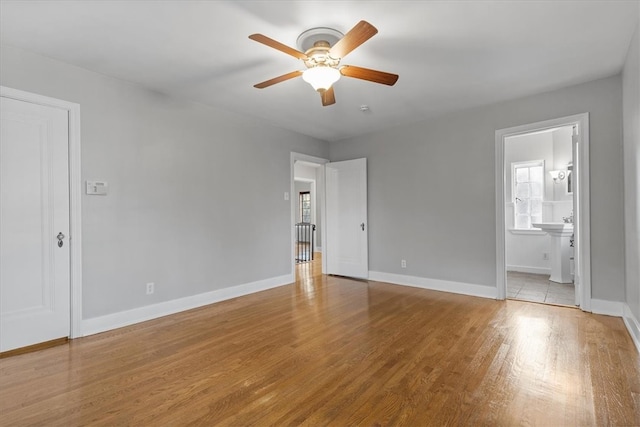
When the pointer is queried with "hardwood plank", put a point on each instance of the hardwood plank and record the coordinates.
(34, 347)
(333, 351)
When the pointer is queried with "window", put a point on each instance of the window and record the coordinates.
(305, 206)
(527, 193)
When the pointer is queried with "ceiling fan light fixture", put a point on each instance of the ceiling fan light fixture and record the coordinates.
(321, 50)
(321, 78)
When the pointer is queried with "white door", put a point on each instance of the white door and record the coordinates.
(575, 182)
(34, 224)
(347, 227)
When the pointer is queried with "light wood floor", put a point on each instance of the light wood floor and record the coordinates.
(334, 351)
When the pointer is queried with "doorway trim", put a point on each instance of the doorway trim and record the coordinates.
(320, 195)
(75, 194)
(582, 210)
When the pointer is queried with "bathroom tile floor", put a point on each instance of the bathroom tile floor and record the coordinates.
(538, 288)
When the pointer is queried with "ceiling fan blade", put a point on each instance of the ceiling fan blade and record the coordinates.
(278, 79)
(359, 34)
(278, 46)
(328, 97)
(370, 75)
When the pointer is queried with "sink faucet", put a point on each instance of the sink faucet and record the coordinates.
(568, 219)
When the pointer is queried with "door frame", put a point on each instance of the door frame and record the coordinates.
(320, 195)
(75, 195)
(582, 209)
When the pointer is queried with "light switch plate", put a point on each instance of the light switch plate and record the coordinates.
(97, 188)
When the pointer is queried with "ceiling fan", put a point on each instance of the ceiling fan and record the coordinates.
(324, 48)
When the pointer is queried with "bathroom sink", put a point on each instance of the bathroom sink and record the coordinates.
(560, 233)
(554, 227)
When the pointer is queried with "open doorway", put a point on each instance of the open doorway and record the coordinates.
(307, 215)
(539, 232)
(306, 242)
(542, 215)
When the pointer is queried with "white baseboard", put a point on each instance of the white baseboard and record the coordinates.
(608, 308)
(125, 318)
(532, 270)
(317, 249)
(633, 326)
(435, 284)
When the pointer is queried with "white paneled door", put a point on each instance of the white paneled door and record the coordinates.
(34, 224)
(347, 226)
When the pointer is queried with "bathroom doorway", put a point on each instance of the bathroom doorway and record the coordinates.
(537, 166)
(541, 247)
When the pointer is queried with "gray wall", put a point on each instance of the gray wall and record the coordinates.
(432, 187)
(186, 181)
(631, 115)
(195, 194)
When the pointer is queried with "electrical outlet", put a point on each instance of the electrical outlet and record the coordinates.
(403, 263)
(150, 288)
(545, 256)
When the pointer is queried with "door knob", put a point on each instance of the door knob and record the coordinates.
(60, 237)
(362, 226)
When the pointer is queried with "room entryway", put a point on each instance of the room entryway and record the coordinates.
(307, 212)
(542, 182)
(539, 216)
(340, 215)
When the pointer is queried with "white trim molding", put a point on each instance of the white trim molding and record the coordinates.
(632, 324)
(435, 284)
(75, 195)
(582, 209)
(142, 314)
(608, 308)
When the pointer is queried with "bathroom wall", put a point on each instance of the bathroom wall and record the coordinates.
(525, 249)
(562, 201)
(562, 156)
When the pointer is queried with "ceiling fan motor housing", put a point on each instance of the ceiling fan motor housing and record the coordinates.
(318, 55)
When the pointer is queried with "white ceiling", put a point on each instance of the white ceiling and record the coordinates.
(450, 55)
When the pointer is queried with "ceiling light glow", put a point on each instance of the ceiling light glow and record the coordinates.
(321, 77)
